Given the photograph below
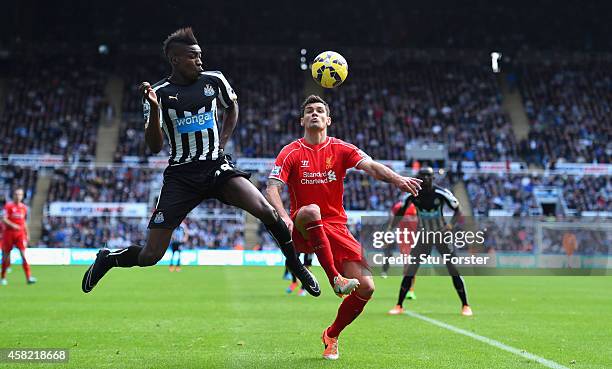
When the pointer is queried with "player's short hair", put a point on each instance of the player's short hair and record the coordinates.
(315, 99)
(182, 36)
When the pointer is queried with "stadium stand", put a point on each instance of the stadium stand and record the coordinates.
(569, 110)
(12, 176)
(515, 193)
(112, 184)
(96, 232)
(53, 108)
(424, 100)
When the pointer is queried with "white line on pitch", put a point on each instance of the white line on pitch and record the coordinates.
(489, 341)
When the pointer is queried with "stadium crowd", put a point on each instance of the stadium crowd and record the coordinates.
(111, 184)
(415, 96)
(569, 108)
(423, 100)
(96, 232)
(53, 107)
(12, 177)
(93, 232)
(515, 193)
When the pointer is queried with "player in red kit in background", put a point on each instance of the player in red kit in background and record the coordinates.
(2, 225)
(314, 168)
(15, 234)
(409, 222)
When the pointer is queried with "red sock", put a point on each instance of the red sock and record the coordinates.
(5, 264)
(350, 309)
(26, 268)
(320, 243)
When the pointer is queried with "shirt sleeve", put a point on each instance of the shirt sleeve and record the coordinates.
(403, 206)
(448, 198)
(226, 92)
(352, 155)
(283, 164)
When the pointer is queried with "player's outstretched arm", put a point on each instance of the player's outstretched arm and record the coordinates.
(153, 132)
(386, 174)
(273, 193)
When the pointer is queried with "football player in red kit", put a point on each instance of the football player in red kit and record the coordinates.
(410, 222)
(313, 167)
(15, 234)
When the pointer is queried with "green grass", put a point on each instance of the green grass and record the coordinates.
(240, 317)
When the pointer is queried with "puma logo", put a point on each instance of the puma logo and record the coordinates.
(173, 97)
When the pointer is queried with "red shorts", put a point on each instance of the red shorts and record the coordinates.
(11, 239)
(405, 248)
(344, 246)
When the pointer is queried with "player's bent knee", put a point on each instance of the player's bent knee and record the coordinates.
(309, 213)
(366, 287)
(366, 290)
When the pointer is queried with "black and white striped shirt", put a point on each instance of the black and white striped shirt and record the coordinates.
(189, 116)
(429, 206)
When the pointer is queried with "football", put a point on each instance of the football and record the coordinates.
(329, 69)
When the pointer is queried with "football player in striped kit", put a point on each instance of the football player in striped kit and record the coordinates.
(185, 107)
(429, 204)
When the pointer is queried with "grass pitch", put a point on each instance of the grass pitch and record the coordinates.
(240, 317)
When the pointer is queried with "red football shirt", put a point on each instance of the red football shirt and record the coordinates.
(409, 220)
(411, 211)
(315, 174)
(17, 214)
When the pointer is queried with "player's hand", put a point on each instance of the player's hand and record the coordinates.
(147, 91)
(409, 184)
(289, 223)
